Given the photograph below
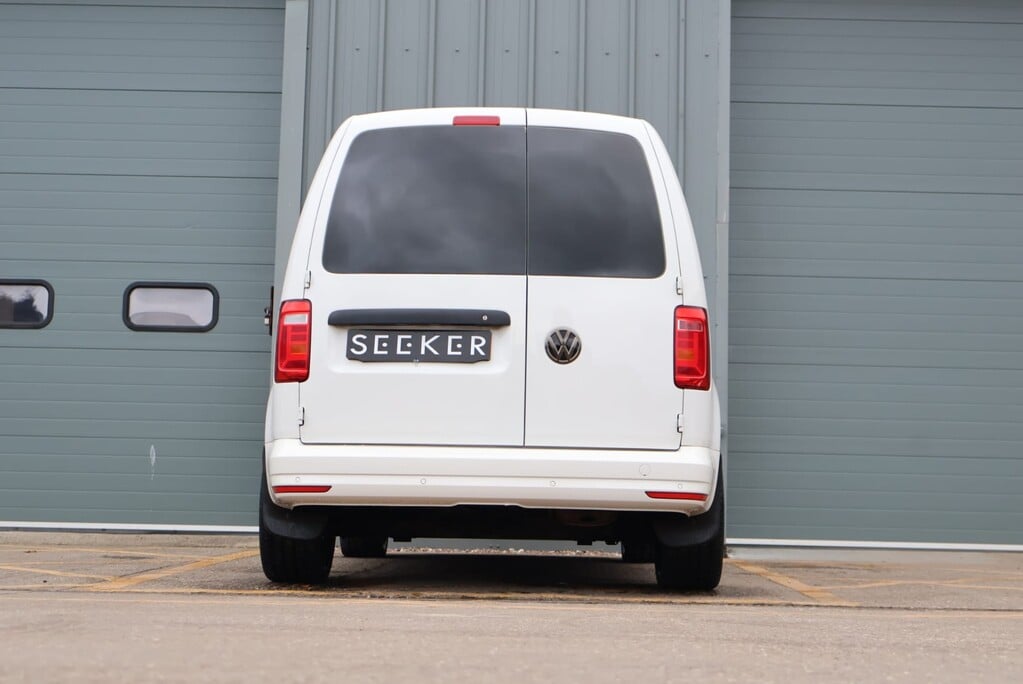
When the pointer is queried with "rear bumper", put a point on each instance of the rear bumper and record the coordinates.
(582, 479)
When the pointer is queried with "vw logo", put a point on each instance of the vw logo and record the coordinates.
(563, 346)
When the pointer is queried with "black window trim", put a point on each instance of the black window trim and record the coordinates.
(167, 285)
(31, 282)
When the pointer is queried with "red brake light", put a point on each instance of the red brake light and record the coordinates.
(469, 120)
(294, 328)
(692, 348)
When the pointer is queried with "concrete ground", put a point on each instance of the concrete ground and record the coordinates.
(129, 608)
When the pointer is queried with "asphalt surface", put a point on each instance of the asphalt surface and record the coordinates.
(130, 608)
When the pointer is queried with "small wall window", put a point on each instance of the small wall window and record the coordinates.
(25, 303)
(171, 307)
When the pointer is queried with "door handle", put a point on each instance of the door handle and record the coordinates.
(479, 318)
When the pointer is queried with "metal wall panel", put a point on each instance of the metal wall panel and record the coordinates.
(877, 271)
(140, 143)
(593, 55)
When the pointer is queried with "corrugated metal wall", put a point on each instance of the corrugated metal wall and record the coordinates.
(654, 59)
(601, 55)
(877, 271)
(139, 142)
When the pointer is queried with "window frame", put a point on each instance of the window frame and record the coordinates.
(31, 282)
(166, 285)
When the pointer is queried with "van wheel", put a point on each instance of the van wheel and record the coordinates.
(293, 561)
(696, 567)
(690, 568)
(364, 547)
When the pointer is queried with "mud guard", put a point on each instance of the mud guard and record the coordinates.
(294, 523)
(677, 530)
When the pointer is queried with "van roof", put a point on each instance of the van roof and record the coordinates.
(518, 115)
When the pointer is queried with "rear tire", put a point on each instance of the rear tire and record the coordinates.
(364, 547)
(697, 567)
(292, 561)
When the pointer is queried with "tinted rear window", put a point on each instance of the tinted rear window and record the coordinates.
(447, 199)
(430, 199)
(592, 207)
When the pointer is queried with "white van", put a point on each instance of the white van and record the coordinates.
(493, 325)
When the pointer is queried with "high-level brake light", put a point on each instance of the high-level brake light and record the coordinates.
(692, 348)
(476, 120)
(294, 330)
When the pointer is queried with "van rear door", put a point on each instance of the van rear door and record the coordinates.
(602, 265)
(417, 279)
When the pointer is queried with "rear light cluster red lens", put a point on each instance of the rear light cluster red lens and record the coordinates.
(692, 348)
(294, 332)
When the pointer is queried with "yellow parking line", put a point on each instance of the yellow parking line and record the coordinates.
(55, 573)
(878, 584)
(39, 588)
(120, 583)
(95, 550)
(964, 582)
(819, 595)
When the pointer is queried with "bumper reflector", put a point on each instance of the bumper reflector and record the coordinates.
(301, 489)
(687, 496)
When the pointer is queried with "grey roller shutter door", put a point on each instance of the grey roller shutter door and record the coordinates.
(877, 271)
(139, 144)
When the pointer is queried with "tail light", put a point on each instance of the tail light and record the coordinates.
(692, 348)
(294, 328)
